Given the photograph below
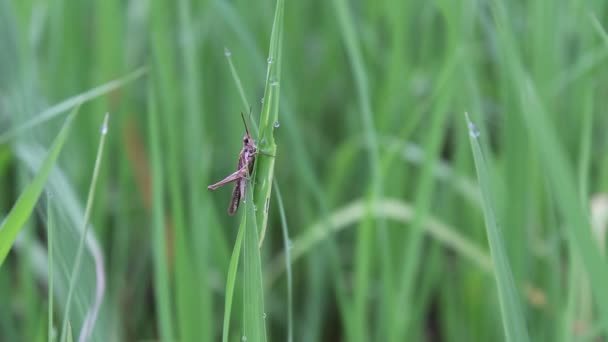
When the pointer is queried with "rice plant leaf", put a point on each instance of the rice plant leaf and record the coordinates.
(71, 102)
(74, 275)
(232, 271)
(269, 120)
(69, 337)
(161, 268)
(562, 180)
(512, 314)
(22, 210)
(50, 236)
(254, 317)
(287, 247)
(385, 208)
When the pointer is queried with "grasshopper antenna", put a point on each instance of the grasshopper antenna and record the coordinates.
(244, 123)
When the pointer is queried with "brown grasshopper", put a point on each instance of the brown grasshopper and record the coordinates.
(244, 168)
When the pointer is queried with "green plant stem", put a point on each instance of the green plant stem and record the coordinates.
(85, 228)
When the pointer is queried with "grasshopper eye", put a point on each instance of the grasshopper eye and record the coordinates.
(245, 140)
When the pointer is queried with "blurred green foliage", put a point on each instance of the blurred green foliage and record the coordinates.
(373, 162)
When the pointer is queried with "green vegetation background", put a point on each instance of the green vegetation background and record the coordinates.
(374, 163)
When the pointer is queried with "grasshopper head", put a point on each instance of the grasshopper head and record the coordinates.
(249, 143)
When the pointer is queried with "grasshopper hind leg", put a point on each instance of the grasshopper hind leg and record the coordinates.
(235, 200)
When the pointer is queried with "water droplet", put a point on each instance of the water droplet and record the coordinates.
(263, 141)
(227, 52)
(266, 205)
(255, 207)
(264, 315)
(104, 126)
(244, 339)
(262, 101)
(274, 83)
(473, 130)
(276, 124)
(269, 60)
(289, 244)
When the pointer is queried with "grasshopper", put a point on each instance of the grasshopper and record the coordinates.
(244, 169)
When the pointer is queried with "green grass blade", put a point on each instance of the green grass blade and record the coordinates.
(196, 299)
(599, 28)
(22, 210)
(562, 180)
(254, 317)
(169, 89)
(287, 247)
(385, 208)
(161, 269)
(231, 280)
(49, 238)
(364, 243)
(512, 314)
(254, 326)
(87, 216)
(355, 57)
(69, 337)
(540, 124)
(237, 79)
(268, 122)
(67, 104)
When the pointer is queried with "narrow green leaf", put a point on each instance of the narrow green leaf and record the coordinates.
(512, 313)
(269, 120)
(287, 247)
(69, 335)
(386, 208)
(194, 292)
(562, 180)
(254, 317)
(22, 210)
(87, 216)
(364, 240)
(69, 103)
(230, 281)
(540, 126)
(49, 238)
(236, 78)
(161, 268)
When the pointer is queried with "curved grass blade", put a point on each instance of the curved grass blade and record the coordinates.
(386, 208)
(22, 210)
(510, 307)
(87, 215)
(69, 103)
